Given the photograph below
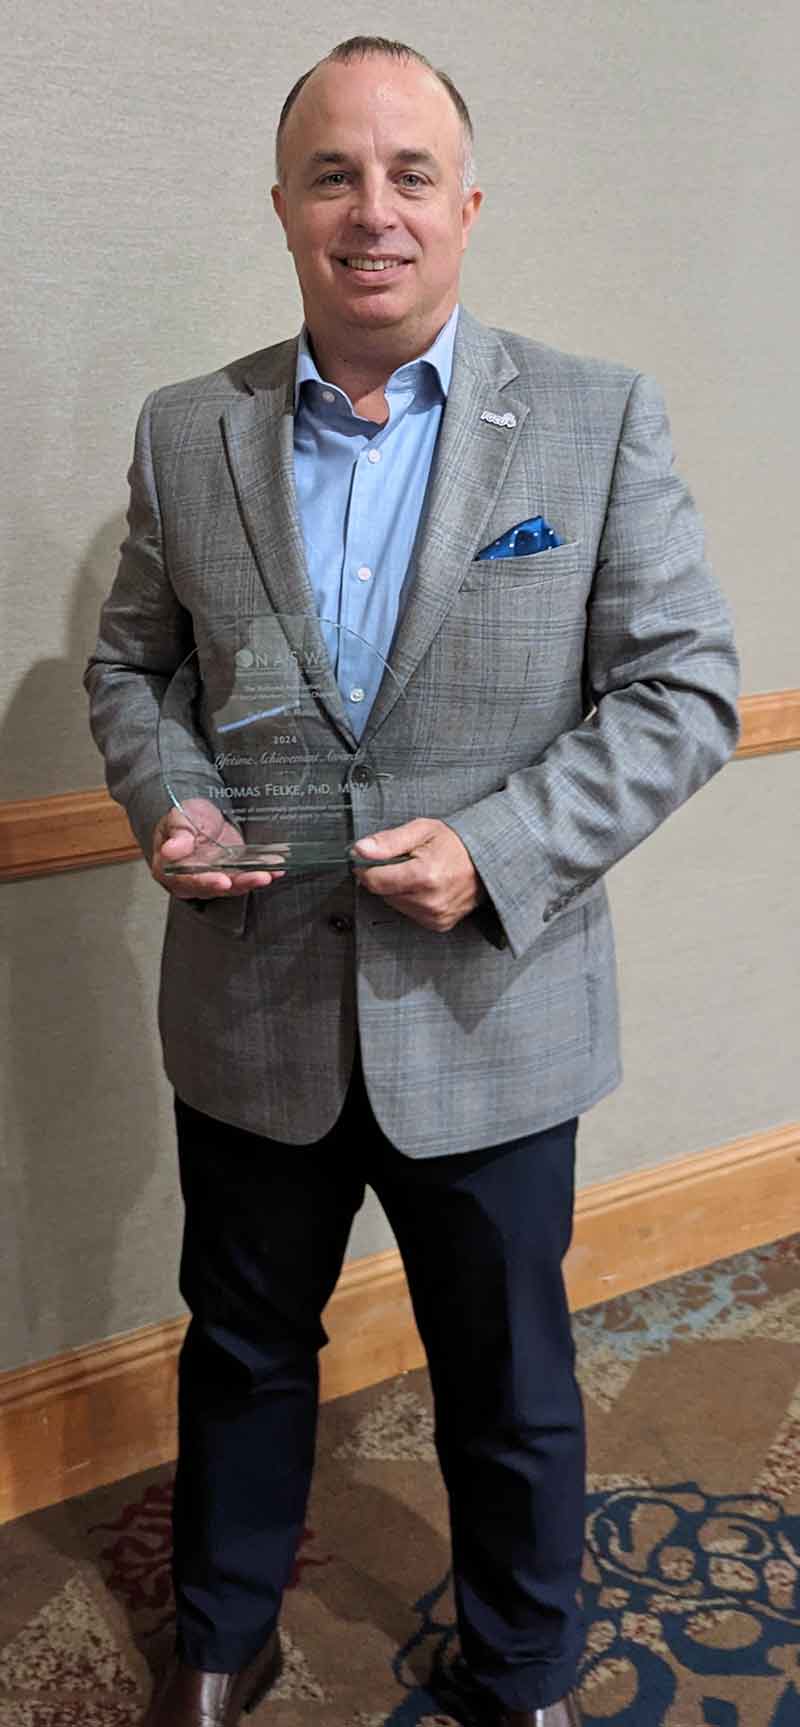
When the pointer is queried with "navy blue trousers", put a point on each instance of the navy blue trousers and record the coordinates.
(482, 1237)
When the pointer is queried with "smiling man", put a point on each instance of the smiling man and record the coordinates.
(376, 199)
(501, 524)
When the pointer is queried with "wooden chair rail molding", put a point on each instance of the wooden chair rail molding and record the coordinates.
(82, 830)
(78, 830)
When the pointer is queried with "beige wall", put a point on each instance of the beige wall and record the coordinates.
(639, 163)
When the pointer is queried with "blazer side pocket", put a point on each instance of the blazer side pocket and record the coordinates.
(227, 916)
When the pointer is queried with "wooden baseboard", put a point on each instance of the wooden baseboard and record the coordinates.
(657, 1223)
(107, 1411)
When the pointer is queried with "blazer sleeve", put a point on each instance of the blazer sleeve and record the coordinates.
(661, 679)
(145, 634)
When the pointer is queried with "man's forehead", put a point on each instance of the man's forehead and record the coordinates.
(411, 155)
(373, 86)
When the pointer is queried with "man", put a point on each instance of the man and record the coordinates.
(433, 1027)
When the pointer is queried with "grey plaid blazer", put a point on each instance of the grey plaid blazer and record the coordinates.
(555, 708)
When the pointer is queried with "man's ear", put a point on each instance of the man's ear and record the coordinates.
(469, 211)
(279, 206)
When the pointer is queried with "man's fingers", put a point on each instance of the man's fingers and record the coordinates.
(380, 848)
(175, 842)
(436, 887)
(401, 878)
(243, 880)
(198, 886)
(392, 842)
(216, 885)
(178, 844)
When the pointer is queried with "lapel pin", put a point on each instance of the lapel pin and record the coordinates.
(504, 420)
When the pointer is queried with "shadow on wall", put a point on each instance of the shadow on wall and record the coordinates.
(88, 1113)
(46, 746)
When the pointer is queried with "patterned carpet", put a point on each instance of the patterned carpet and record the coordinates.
(692, 1569)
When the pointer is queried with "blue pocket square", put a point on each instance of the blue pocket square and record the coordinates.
(531, 536)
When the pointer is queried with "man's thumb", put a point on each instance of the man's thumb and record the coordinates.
(373, 846)
(392, 842)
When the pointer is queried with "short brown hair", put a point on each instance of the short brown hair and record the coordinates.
(382, 47)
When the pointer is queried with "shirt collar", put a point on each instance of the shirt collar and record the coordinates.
(439, 355)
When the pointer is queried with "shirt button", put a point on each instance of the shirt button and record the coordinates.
(328, 396)
(363, 572)
(373, 455)
(342, 925)
(357, 695)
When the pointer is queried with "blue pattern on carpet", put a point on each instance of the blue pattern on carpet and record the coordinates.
(687, 1306)
(689, 1592)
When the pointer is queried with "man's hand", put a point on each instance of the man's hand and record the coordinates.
(438, 886)
(175, 839)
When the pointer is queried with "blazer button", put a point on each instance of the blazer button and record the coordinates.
(342, 925)
(361, 776)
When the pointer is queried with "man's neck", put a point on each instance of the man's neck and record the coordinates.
(363, 366)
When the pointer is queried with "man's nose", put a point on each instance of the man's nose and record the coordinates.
(373, 205)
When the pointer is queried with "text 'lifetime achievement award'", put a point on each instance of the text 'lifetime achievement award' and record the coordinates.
(256, 749)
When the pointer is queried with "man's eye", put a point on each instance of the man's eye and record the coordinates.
(336, 177)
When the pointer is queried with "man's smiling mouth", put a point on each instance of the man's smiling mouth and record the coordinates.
(376, 264)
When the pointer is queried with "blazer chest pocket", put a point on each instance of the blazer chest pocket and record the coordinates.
(538, 569)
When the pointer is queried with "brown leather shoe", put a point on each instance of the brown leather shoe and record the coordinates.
(466, 1701)
(563, 1714)
(187, 1697)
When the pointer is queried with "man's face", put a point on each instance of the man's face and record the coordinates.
(372, 161)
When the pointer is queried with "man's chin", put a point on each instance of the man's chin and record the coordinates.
(381, 312)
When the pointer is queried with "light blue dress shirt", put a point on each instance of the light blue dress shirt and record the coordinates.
(360, 493)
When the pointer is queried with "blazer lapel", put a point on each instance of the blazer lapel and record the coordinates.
(470, 465)
(259, 433)
(471, 461)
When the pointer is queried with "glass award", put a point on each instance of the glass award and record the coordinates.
(260, 750)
